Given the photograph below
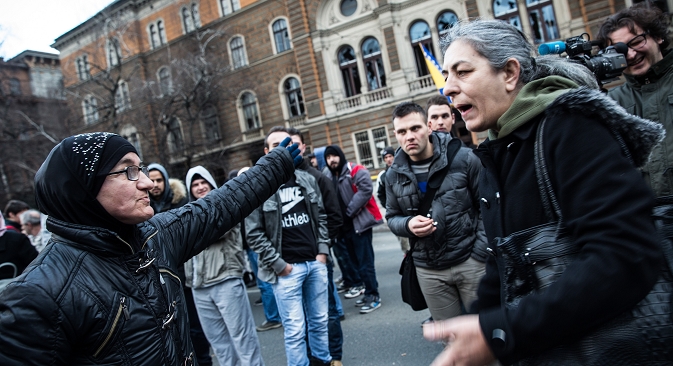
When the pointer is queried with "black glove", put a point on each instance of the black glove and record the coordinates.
(294, 151)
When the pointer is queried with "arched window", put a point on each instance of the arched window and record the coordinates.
(371, 57)
(114, 52)
(445, 21)
(190, 17)
(348, 7)
(542, 20)
(90, 109)
(419, 34)
(165, 81)
(130, 133)
(349, 71)
(237, 52)
(295, 101)
(174, 137)
(157, 34)
(250, 111)
(83, 69)
(281, 36)
(211, 124)
(122, 98)
(229, 6)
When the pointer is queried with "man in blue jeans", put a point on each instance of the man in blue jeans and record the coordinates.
(289, 233)
(360, 213)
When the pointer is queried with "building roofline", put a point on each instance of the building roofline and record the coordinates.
(33, 53)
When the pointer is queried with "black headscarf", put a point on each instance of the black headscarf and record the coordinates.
(67, 183)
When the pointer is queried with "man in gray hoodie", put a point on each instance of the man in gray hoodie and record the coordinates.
(216, 278)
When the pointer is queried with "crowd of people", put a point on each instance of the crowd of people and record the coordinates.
(134, 266)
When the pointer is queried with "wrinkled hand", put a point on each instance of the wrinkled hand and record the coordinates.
(293, 149)
(466, 343)
(286, 271)
(421, 226)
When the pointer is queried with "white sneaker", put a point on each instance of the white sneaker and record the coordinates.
(355, 292)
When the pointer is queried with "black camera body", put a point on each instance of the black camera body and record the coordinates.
(607, 65)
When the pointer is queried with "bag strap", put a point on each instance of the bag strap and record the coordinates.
(549, 201)
(435, 182)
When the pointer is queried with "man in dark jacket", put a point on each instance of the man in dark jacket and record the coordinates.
(106, 290)
(450, 248)
(334, 222)
(354, 190)
(163, 196)
(16, 251)
(649, 80)
(13, 210)
(388, 155)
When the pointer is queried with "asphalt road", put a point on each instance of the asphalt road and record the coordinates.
(390, 335)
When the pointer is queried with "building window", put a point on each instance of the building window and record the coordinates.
(190, 17)
(295, 101)
(250, 111)
(83, 68)
(114, 52)
(165, 81)
(542, 20)
(211, 124)
(229, 6)
(238, 52)
(349, 71)
(508, 11)
(368, 144)
(174, 137)
(122, 98)
(90, 109)
(281, 35)
(14, 86)
(419, 34)
(371, 57)
(157, 33)
(348, 7)
(445, 21)
(130, 133)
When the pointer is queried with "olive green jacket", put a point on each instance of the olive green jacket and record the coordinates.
(651, 96)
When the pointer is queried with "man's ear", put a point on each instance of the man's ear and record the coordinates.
(266, 150)
(512, 72)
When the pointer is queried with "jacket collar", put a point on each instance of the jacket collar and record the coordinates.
(97, 240)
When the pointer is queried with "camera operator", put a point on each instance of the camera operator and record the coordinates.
(649, 80)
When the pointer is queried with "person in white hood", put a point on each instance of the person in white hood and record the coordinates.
(216, 278)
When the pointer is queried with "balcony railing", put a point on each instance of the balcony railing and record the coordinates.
(365, 98)
(296, 121)
(424, 82)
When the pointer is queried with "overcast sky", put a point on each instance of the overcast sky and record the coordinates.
(35, 24)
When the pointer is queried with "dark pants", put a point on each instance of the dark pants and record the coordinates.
(199, 340)
(360, 247)
(347, 264)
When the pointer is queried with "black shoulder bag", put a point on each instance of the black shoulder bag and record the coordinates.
(411, 290)
(530, 260)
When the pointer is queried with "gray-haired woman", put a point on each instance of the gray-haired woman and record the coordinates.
(605, 204)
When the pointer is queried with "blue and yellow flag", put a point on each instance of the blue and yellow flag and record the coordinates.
(435, 70)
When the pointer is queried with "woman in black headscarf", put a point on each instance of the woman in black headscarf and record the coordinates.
(106, 290)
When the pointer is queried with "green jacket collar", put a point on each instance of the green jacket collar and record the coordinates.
(532, 100)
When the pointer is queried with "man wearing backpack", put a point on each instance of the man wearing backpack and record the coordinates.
(360, 214)
(450, 245)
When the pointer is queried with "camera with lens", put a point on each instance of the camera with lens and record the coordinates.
(607, 65)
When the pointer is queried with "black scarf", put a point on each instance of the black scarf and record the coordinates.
(67, 183)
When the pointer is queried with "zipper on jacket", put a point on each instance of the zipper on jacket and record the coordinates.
(148, 239)
(122, 309)
(127, 244)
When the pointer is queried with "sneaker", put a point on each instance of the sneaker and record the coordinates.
(341, 288)
(258, 302)
(364, 300)
(355, 292)
(371, 306)
(339, 280)
(267, 325)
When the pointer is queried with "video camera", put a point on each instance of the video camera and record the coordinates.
(607, 65)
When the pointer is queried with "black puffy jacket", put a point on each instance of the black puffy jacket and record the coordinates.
(91, 299)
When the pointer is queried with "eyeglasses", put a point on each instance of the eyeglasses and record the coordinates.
(132, 172)
(638, 41)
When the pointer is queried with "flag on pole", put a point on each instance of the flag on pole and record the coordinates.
(435, 70)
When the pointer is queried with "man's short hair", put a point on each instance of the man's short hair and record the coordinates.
(272, 130)
(437, 100)
(15, 206)
(646, 15)
(295, 132)
(406, 108)
(31, 217)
